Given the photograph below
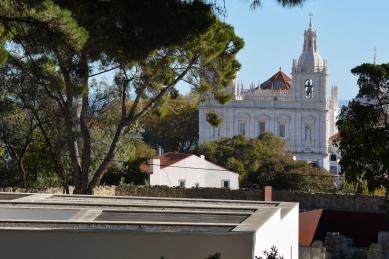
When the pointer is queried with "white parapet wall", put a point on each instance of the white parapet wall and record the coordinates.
(101, 227)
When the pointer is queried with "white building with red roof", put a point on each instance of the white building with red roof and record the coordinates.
(297, 108)
(187, 170)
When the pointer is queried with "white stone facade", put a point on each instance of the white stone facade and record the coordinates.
(304, 115)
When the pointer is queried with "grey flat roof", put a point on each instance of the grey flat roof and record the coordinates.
(42, 211)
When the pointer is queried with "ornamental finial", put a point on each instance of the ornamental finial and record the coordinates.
(310, 20)
(375, 53)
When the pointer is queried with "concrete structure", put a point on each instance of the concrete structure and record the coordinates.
(186, 170)
(297, 109)
(75, 226)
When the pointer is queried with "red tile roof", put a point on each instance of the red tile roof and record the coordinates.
(333, 137)
(273, 82)
(166, 160)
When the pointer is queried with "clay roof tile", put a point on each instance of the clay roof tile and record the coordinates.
(272, 82)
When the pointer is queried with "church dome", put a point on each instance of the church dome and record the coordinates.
(310, 60)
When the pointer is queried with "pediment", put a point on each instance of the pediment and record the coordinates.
(308, 118)
(283, 117)
(243, 116)
(262, 117)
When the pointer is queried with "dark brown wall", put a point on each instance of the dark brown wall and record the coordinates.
(361, 227)
(308, 222)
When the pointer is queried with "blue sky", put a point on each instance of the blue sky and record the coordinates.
(348, 32)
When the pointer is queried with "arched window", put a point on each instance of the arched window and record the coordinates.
(308, 88)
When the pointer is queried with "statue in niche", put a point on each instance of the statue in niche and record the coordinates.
(308, 88)
(308, 132)
(216, 132)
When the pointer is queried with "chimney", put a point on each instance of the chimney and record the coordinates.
(202, 157)
(267, 193)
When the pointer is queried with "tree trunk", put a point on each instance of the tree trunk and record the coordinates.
(21, 168)
(107, 160)
(79, 188)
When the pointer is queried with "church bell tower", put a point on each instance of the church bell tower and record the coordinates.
(310, 73)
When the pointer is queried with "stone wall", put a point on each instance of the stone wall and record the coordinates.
(383, 242)
(306, 200)
(315, 251)
(336, 246)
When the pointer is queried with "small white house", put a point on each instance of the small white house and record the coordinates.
(186, 170)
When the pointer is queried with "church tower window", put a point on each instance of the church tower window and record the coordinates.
(308, 88)
(242, 128)
(282, 130)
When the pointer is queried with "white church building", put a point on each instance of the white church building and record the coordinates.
(298, 109)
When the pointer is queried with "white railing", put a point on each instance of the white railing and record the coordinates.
(312, 70)
(264, 95)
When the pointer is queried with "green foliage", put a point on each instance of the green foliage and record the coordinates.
(273, 254)
(265, 161)
(364, 131)
(282, 172)
(178, 130)
(347, 187)
(154, 44)
(214, 119)
(9, 174)
(241, 154)
(215, 256)
(130, 173)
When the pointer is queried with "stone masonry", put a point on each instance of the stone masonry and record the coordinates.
(306, 200)
(336, 246)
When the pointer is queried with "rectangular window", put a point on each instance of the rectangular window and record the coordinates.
(242, 128)
(226, 183)
(181, 183)
(262, 127)
(278, 85)
(282, 131)
(332, 157)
